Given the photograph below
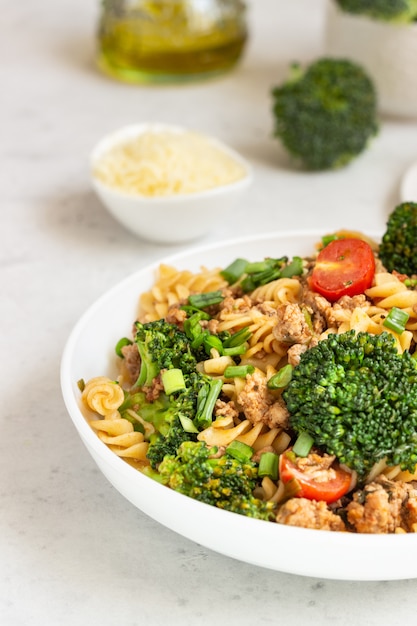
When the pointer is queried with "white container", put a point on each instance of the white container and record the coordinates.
(175, 218)
(387, 51)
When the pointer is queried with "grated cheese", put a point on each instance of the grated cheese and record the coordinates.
(166, 163)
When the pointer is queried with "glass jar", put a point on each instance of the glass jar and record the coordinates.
(159, 41)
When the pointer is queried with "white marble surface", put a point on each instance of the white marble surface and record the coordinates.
(72, 550)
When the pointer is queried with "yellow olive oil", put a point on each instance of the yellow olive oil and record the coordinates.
(168, 41)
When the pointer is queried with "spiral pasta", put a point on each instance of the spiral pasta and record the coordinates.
(280, 291)
(173, 286)
(102, 395)
(388, 292)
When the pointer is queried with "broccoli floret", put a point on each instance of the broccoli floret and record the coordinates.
(162, 346)
(223, 481)
(180, 416)
(326, 115)
(398, 249)
(398, 11)
(357, 397)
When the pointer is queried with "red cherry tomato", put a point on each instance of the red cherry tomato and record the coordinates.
(323, 484)
(345, 267)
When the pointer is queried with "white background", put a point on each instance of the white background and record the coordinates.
(72, 550)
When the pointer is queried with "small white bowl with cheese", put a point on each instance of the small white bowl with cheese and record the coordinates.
(165, 183)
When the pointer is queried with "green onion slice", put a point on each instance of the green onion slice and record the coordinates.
(234, 271)
(187, 424)
(303, 444)
(241, 336)
(213, 341)
(124, 341)
(203, 300)
(172, 380)
(396, 320)
(238, 371)
(281, 378)
(268, 465)
(239, 450)
(295, 268)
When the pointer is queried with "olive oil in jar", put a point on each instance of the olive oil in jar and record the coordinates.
(159, 41)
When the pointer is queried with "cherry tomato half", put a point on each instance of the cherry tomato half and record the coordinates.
(314, 486)
(345, 267)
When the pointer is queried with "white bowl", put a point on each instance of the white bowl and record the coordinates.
(387, 51)
(90, 352)
(168, 219)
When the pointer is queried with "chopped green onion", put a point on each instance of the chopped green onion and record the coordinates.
(303, 444)
(124, 341)
(81, 384)
(268, 465)
(192, 327)
(235, 350)
(248, 284)
(172, 380)
(187, 424)
(239, 450)
(234, 271)
(396, 320)
(237, 338)
(326, 239)
(295, 268)
(190, 310)
(238, 371)
(213, 341)
(258, 266)
(281, 378)
(199, 339)
(206, 399)
(203, 300)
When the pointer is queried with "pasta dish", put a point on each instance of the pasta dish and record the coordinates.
(281, 389)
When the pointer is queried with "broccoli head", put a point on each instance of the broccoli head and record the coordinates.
(398, 249)
(162, 346)
(399, 11)
(224, 482)
(357, 397)
(326, 115)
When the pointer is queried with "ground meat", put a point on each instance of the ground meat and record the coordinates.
(131, 362)
(294, 353)
(324, 314)
(309, 514)
(291, 326)
(319, 309)
(230, 304)
(317, 466)
(383, 506)
(153, 392)
(344, 307)
(176, 315)
(350, 303)
(259, 405)
(225, 409)
(266, 309)
(211, 325)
